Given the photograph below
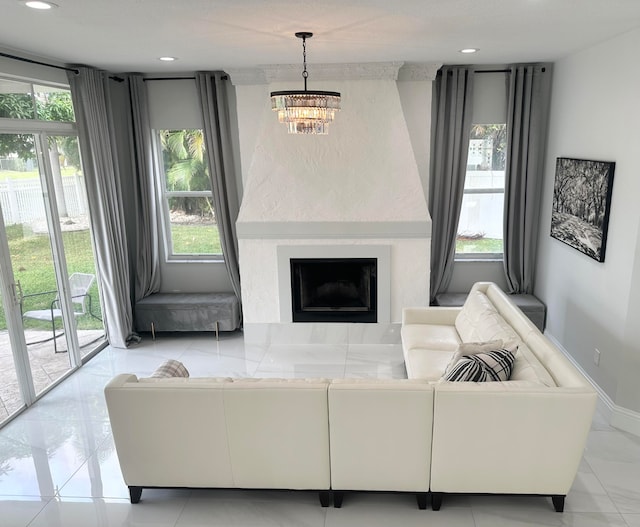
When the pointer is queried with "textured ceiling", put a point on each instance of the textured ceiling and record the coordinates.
(130, 35)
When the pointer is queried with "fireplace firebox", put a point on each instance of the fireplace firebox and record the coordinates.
(334, 289)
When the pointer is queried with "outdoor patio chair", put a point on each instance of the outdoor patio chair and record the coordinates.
(80, 284)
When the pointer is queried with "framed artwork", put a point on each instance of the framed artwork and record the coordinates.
(581, 204)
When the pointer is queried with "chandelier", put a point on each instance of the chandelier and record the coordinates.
(305, 111)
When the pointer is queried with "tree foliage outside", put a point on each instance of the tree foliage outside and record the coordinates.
(497, 134)
(48, 106)
(186, 170)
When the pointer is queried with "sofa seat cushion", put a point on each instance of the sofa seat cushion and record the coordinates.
(427, 364)
(479, 321)
(430, 337)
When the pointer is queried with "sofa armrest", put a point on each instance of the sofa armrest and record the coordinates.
(169, 432)
(501, 438)
(442, 316)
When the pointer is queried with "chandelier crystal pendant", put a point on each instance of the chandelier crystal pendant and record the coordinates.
(305, 111)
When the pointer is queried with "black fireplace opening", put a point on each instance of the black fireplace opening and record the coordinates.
(334, 289)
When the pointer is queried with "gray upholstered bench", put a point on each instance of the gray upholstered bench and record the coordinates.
(188, 312)
(528, 304)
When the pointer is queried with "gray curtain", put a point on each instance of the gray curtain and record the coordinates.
(528, 111)
(147, 264)
(212, 92)
(450, 129)
(92, 106)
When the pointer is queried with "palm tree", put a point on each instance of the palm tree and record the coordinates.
(186, 168)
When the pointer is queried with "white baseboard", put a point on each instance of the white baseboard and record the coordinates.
(618, 416)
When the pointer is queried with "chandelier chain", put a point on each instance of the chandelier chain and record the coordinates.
(305, 73)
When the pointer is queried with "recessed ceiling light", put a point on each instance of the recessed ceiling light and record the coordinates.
(468, 50)
(38, 4)
(167, 59)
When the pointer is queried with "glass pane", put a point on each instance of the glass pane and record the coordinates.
(21, 100)
(10, 396)
(193, 226)
(16, 100)
(29, 238)
(73, 210)
(53, 104)
(480, 227)
(185, 167)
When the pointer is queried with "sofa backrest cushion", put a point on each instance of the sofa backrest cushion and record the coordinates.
(527, 367)
(479, 321)
(380, 434)
(278, 433)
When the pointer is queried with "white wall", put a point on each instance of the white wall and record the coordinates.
(595, 115)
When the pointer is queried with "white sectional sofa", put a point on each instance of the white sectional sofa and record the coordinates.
(272, 434)
(423, 435)
(522, 436)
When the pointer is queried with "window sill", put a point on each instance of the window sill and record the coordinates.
(479, 258)
(193, 260)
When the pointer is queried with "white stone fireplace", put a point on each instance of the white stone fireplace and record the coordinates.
(355, 193)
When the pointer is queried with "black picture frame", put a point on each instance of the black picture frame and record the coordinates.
(582, 204)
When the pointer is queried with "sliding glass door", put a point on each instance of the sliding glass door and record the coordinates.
(51, 314)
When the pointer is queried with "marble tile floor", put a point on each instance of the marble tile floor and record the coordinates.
(58, 465)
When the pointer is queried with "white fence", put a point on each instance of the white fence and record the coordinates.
(21, 199)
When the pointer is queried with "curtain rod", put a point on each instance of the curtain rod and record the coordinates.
(30, 61)
(14, 57)
(168, 79)
(224, 77)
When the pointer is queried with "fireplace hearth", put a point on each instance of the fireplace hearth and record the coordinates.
(334, 289)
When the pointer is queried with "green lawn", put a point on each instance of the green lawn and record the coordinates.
(32, 263)
(480, 245)
(196, 239)
(33, 268)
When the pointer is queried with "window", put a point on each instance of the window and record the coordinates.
(190, 228)
(480, 228)
(23, 100)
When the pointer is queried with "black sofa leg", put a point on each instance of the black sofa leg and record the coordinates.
(436, 501)
(325, 497)
(558, 503)
(422, 500)
(135, 493)
(338, 496)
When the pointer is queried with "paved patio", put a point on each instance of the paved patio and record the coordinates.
(46, 365)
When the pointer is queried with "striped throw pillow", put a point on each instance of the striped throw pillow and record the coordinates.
(487, 366)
